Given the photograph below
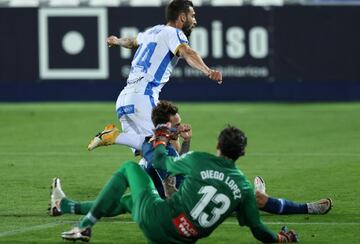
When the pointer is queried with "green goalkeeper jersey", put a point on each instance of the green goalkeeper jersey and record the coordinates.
(213, 188)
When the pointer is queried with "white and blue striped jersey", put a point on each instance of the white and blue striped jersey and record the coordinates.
(154, 60)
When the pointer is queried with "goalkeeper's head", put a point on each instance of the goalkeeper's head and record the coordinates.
(232, 143)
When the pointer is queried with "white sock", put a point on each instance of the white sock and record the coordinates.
(130, 139)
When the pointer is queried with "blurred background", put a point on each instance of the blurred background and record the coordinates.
(268, 50)
(291, 82)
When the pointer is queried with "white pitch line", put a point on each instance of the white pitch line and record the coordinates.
(46, 154)
(272, 223)
(31, 228)
(303, 223)
(305, 154)
(259, 154)
(51, 225)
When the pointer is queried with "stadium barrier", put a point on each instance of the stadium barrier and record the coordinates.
(291, 53)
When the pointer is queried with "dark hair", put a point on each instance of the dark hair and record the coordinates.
(175, 8)
(162, 111)
(232, 142)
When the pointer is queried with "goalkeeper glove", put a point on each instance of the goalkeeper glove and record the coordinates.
(163, 133)
(285, 235)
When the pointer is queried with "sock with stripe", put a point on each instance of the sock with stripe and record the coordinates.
(283, 206)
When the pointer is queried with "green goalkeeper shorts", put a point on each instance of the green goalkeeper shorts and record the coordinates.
(155, 219)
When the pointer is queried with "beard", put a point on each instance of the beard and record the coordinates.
(187, 29)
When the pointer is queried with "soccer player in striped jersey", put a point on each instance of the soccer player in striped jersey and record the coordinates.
(158, 50)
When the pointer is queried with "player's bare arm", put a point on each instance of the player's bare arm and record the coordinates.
(127, 42)
(185, 134)
(169, 185)
(196, 62)
(183, 131)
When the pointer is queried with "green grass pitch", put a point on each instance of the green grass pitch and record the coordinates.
(304, 151)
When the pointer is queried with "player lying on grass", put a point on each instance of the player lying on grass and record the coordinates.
(284, 206)
(164, 109)
(60, 204)
(213, 188)
(167, 112)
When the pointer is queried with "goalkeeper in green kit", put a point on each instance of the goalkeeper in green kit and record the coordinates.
(213, 188)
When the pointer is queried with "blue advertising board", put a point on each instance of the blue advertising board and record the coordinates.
(292, 53)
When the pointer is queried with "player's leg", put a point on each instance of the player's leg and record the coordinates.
(134, 113)
(284, 206)
(110, 133)
(68, 206)
(136, 120)
(279, 205)
(60, 204)
(130, 174)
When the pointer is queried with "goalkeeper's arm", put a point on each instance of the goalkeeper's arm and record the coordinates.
(250, 216)
(161, 160)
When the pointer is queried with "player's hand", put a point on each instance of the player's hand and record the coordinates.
(286, 235)
(112, 41)
(215, 75)
(163, 133)
(169, 185)
(185, 131)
